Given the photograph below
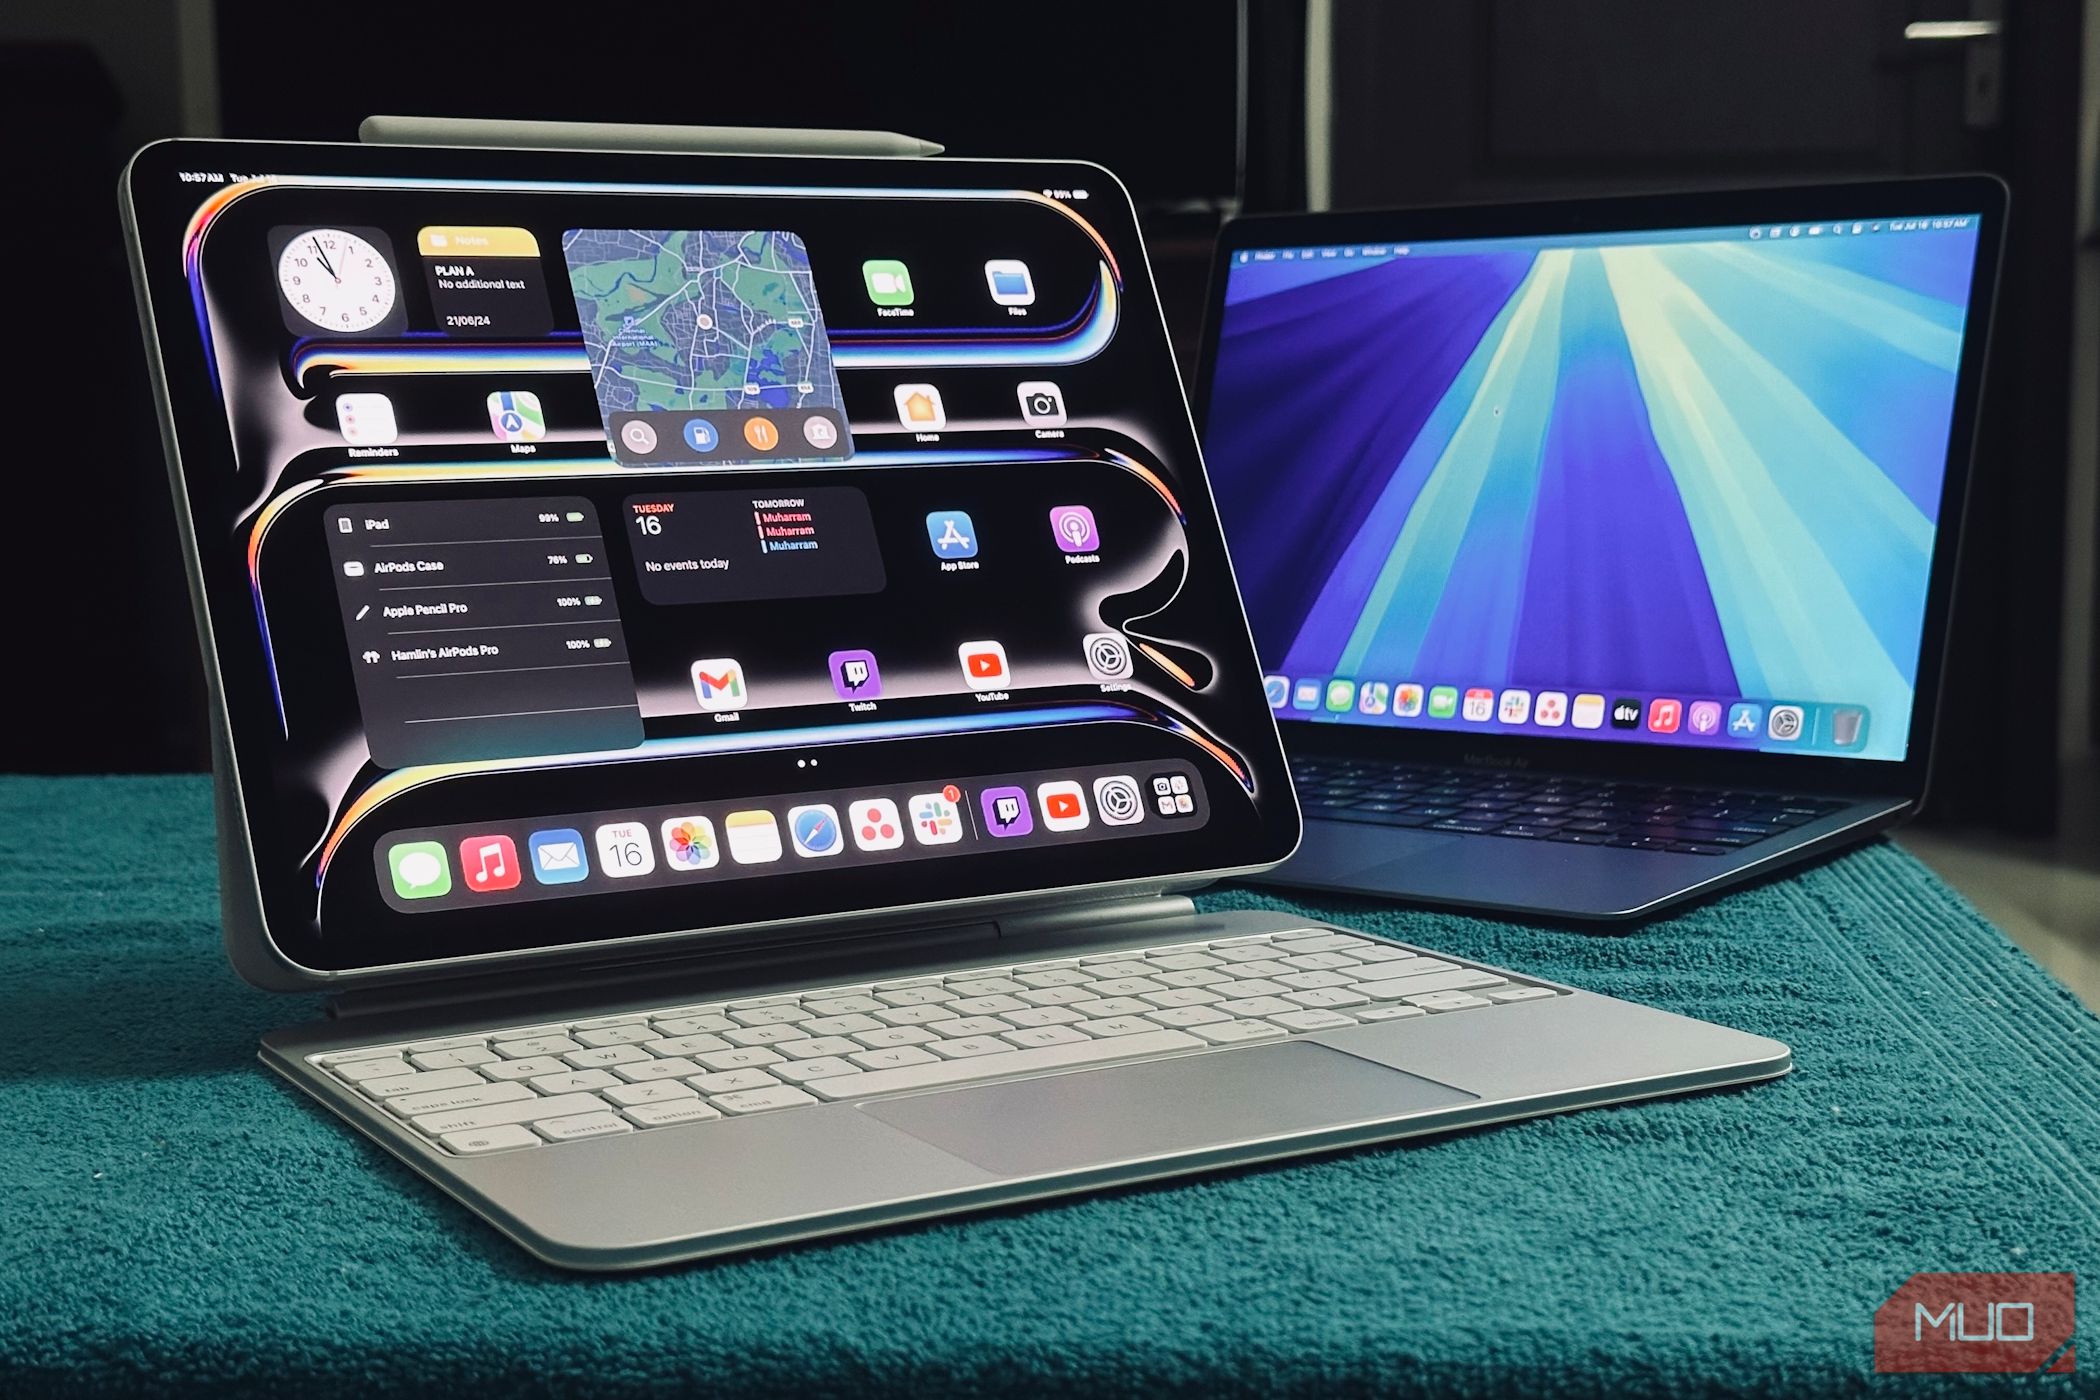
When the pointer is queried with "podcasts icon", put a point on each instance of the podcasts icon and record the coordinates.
(1075, 529)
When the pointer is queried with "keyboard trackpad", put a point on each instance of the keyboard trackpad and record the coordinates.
(1090, 1117)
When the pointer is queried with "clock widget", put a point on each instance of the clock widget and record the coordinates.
(338, 280)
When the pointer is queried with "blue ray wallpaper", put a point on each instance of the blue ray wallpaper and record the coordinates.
(1696, 467)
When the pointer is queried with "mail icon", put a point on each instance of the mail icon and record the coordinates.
(557, 856)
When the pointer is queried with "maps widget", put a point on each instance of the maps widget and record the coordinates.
(671, 344)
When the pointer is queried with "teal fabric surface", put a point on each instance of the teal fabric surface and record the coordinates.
(175, 1219)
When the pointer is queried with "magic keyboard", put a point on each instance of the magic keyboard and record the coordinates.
(527, 1086)
(1548, 807)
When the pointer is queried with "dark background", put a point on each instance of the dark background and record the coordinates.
(1201, 108)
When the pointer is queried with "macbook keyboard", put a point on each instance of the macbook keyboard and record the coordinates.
(528, 1086)
(1546, 807)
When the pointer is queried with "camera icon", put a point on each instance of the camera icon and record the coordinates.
(1042, 404)
(1107, 656)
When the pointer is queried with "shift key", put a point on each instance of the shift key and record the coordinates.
(524, 1111)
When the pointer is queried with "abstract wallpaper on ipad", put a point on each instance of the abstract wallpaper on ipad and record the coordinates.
(1702, 463)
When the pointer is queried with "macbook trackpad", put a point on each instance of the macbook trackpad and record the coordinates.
(1090, 1117)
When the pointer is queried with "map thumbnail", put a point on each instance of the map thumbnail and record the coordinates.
(698, 320)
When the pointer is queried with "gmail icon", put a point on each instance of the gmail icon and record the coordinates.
(719, 684)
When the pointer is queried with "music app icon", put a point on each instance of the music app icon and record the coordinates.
(489, 863)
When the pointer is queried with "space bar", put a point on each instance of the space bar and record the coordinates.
(889, 1081)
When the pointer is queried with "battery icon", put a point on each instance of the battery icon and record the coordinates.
(574, 517)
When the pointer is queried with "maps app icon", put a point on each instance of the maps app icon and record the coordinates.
(720, 325)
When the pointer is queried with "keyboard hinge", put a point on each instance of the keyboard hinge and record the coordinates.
(1095, 916)
(661, 974)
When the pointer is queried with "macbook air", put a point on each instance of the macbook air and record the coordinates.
(724, 670)
(1599, 552)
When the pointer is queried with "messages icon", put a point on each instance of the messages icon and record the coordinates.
(420, 869)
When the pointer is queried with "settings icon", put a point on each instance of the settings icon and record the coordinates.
(1108, 656)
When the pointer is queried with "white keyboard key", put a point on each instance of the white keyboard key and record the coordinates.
(1313, 1020)
(844, 1024)
(1379, 952)
(687, 1044)
(764, 1035)
(1250, 987)
(1120, 1025)
(1309, 981)
(1125, 986)
(600, 1057)
(916, 1015)
(842, 1006)
(776, 1014)
(575, 1081)
(1188, 1016)
(1448, 1001)
(1102, 1007)
(667, 1091)
(731, 1080)
(738, 1059)
(450, 1042)
(498, 1139)
(829, 1067)
(1264, 967)
(369, 1052)
(664, 1115)
(984, 986)
(421, 1083)
(1236, 1032)
(452, 1059)
(1058, 996)
(1181, 962)
(1241, 952)
(891, 1058)
(925, 994)
(818, 1046)
(1054, 977)
(1521, 994)
(694, 1025)
(759, 1100)
(1081, 1052)
(1194, 977)
(963, 1027)
(535, 1046)
(358, 1071)
(587, 1125)
(474, 1096)
(524, 1069)
(1318, 962)
(1458, 979)
(595, 1023)
(1388, 1013)
(969, 1047)
(1318, 942)
(1035, 1036)
(893, 1035)
(1045, 965)
(1044, 1016)
(649, 1071)
(1122, 966)
(1257, 1006)
(1183, 996)
(992, 1005)
(630, 1034)
(523, 1111)
(1327, 996)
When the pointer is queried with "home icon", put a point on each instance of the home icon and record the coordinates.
(919, 406)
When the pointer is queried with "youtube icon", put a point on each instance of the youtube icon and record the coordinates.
(1064, 806)
(983, 665)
